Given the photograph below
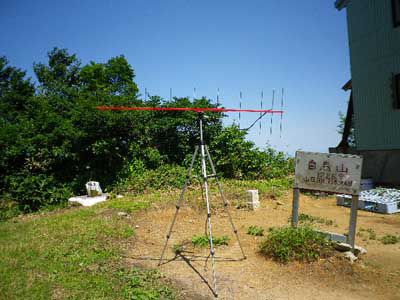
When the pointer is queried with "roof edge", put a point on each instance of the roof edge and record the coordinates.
(340, 4)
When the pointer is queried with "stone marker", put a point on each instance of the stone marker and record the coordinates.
(253, 201)
(93, 189)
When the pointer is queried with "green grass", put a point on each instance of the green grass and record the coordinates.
(203, 241)
(73, 254)
(255, 230)
(306, 219)
(302, 243)
(367, 234)
(390, 239)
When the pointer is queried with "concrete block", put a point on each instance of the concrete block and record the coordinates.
(253, 200)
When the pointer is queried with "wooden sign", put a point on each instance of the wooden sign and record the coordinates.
(336, 173)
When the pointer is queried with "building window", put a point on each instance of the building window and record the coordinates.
(396, 91)
(396, 12)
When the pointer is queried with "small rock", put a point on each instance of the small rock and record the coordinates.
(350, 256)
(120, 196)
(359, 250)
(137, 226)
(122, 214)
(342, 247)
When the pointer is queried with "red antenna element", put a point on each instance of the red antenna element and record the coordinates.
(202, 151)
(195, 109)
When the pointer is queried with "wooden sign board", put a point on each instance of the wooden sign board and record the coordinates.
(335, 173)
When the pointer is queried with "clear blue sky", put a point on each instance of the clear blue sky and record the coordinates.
(246, 46)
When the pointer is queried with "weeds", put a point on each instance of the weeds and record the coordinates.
(368, 233)
(390, 239)
(309, 219)
(203, 241)
(141, 284)
(255, 230)
(302, 243)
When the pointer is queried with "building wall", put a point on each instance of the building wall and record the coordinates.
(375, 57)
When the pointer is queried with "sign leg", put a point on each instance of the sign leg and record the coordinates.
(295, 207)
(353, 221)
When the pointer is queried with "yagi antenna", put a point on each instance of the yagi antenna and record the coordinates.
(240, 106)
(280, 125)
(202, 151)
(272, 108)
(261, 107)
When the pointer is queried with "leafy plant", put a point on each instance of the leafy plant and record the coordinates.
(390, 239)
(309, 219)
(255, 230)
(146, 285)
(368, 233)
(203, 240)
(295, 243)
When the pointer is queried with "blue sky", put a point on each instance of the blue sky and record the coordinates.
(235, 46)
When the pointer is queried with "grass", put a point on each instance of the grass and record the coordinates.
(302, 243)
(309, 219)
(203, 241)
(73, 254)
(390, 239)
(255, 230)
(367, 234)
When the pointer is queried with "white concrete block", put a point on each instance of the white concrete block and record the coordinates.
(253, 200)
(93, 189)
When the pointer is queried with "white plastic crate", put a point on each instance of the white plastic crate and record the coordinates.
(385, 201)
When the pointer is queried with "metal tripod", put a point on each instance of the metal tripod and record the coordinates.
(204, 155)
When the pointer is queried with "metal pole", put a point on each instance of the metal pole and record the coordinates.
(272, 108)
(205, 179)
(178, 205)
(280, 125)
(225, 202)
(295, 207)
(240, 107)
(353, 221)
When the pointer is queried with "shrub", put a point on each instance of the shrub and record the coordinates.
(300, 243)
(34, 191)
(255, 230)
(142, 179)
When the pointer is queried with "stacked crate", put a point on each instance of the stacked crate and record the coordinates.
(381, 200)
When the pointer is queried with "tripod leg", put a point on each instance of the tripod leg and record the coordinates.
(212, 251)
(224, 201)
(178, 206)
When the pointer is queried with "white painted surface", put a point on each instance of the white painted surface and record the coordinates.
(86, 200)
(337, 173)
(253, 200)
(93, 189)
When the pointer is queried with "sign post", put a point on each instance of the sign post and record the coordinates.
(332, 173)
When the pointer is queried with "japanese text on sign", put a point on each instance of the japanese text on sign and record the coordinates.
(337, 173)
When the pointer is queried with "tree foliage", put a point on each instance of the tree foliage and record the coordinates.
(53, 139)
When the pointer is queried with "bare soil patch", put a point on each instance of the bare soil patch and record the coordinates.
(375, 276)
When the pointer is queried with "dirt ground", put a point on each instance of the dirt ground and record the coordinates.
(376, 275)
